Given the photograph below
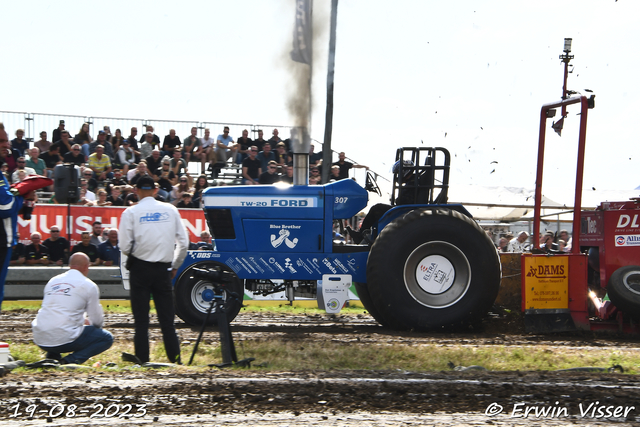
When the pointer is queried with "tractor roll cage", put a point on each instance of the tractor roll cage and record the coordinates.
(421, 171)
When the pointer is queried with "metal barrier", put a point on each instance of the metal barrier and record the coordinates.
(25, 283)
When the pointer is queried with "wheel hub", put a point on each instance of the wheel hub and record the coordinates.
(437, 274)
(201, 295)
(631, 281)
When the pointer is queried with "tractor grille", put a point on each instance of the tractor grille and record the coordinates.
(220, 223)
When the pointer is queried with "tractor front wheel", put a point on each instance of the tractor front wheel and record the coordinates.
(193, 295)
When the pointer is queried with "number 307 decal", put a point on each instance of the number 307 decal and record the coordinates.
(341, 199)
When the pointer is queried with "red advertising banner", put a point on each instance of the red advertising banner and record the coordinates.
(82, 217)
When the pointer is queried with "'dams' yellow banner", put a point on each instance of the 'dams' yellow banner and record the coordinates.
(546, 281)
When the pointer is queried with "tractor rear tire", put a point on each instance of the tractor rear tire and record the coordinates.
(432, 269)
(624, 290)
(365, 299)
(192, 296)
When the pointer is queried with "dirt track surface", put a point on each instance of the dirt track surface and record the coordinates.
(257, 397)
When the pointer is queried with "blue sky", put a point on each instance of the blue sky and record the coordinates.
(467, 75)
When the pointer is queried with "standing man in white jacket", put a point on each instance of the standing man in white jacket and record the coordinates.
(155, 240)
(71, 316)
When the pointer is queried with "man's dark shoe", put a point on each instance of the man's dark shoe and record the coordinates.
(128, 357)
(53, 355)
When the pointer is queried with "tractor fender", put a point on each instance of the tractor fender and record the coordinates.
(195, 257)
(397, 211)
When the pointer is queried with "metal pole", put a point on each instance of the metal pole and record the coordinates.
(326, 148)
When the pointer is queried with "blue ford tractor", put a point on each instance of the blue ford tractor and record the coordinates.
(420, 264)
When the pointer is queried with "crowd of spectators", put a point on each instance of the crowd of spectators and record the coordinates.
(111, 164)
(549, 242)
(100, 245)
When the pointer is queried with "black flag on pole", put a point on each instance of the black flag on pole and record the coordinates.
(302, 33)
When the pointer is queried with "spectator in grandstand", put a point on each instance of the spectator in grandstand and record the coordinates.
(226, 148)
(35, 162)
(107, 131)
(125, 157)
(244, 145)
(96, 233)
(51, 158)
(502, 244)
(100, 164)
(178, 164)
(18, 256)
(102, 140)
(64, 141)
(133, 141)
(36, 253)
(21, 168)
(251, 167)
(19, 175)
(19, 143)
(562, 245)
(259, 141)
(92, 183)
(517, 244)
(266, 156)
(83, 136)
(75, 156)
(314, 158)
(56, 134)
(200, 185)
(205, 243)
(192, 144)
(58, 247)
(186, 201)
(129, 196)
(102, 198)
(170, 143)
(141, 170)
(288, 175)
(282, 157)
(87, 248)
(42, 144)
(154, 161)
(345, 166)
(11, 160)
(314, 176)
(146, 146)
(275, 139)
(165, 178)
(118, 179)
(89, 195)
(564, 235)
(116, 196)
(155, 139)
(269, 176)
(335, 174)
(206, 152)
(179, 189)
(117, 139)
(109, 251)
(546, 241)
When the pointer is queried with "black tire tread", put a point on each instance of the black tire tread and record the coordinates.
(620, 296)
(399, 310)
